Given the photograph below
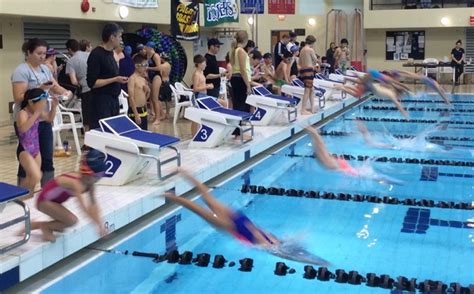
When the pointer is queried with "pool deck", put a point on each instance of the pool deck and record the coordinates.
(121, 205)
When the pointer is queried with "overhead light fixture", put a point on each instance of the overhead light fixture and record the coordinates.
(250, 20)
(281, 17)
(445, 21)
(123, 11)
(312, 21)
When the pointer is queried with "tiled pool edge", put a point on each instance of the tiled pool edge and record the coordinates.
(23, 265)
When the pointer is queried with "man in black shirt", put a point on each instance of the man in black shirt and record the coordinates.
(457, 57)
(103, 76)
(280, 49)
(212, 68)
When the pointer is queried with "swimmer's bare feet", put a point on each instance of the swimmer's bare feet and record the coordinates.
(48, 234)
(156, 122)
(305, 112)
(245, 138)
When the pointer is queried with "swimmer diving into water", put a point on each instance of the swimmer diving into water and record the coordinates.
(367, 83)
(238, 225)
(387, 141)
(341, 165)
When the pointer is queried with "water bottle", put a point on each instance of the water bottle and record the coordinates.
(66, 146)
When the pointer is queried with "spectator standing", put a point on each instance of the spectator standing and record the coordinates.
(241, 74)
(457, 60)
(212, 68)
(76, 69)
(103, 76)
(330, 56)
(292, 41)
(280, 49)
(29, 75)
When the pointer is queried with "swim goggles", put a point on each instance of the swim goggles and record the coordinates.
(45, 95)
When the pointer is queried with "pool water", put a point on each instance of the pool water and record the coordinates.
(397, 240)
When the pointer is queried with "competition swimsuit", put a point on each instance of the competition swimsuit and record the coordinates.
(242, 232)
(307, 76)
(346, 167)
(52, 191)
(29, 140)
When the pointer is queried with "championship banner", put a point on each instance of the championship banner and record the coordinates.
(281, 6)
(248, 6)
(138, 3)
(185, 20)
(217, 12)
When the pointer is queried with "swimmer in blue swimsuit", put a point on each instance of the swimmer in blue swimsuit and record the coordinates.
(241, 227)
(223, 217)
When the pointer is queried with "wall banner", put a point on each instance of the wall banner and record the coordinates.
(217, 12)
(248, 6)
(185, 20)
(138, 3)
(281, 6)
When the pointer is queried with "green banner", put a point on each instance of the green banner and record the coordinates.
(217, 12)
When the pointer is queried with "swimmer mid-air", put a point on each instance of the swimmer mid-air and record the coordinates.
(387, 141)
(367, 83)
(238, 225)
(341, 165)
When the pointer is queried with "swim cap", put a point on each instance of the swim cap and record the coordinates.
(294, 48)
(127, 51)
(374, 73)
(150, 44)
(93, 163)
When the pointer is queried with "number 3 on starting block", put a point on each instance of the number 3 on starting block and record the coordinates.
(203, 134)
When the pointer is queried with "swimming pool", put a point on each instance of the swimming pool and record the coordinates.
(413, 241)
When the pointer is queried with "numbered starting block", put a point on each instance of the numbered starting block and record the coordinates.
(130, 150)
(269, 106)
(297, 90)
(217, 122)
(10, 193)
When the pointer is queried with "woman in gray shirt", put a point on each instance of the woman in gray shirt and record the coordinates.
(34, 74)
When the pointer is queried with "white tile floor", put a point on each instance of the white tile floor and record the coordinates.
(124, 204)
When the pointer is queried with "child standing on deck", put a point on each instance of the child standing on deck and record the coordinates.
(27, 121)
(138, 92)
(65, 186)
(199, 80)
(165, 90)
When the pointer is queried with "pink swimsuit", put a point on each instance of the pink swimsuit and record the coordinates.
(29, 140)
(55, 193)
(346, 167)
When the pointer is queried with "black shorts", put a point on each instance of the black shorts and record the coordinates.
(86, 108)
(143, 116)
(214, 92)
(165, 91)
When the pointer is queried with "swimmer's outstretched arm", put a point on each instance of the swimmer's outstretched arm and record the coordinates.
(218, 208)
(320, 150)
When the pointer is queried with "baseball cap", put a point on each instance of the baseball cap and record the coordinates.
(213, 42)
(150, 44)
